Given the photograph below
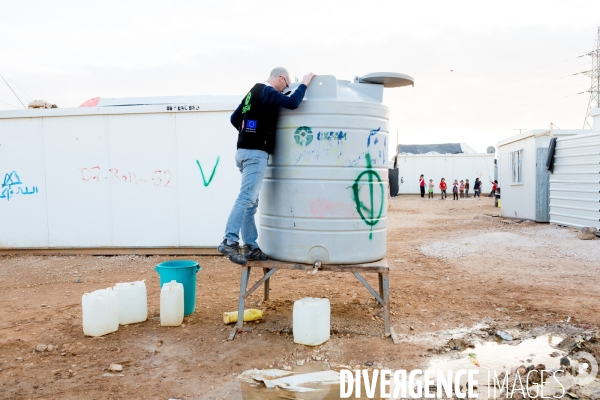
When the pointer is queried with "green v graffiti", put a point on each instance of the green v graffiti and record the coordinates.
(206, 183)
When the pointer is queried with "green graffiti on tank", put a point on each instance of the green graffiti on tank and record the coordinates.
(367, 212)
(303, 136)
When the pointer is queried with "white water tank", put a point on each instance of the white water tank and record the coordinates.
(324, 196)
(100, 311)
(133, 302)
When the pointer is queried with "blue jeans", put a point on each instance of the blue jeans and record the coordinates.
(252, 164)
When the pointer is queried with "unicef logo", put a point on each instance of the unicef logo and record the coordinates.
(303, 136)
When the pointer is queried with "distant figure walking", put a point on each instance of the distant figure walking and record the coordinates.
(494, 188)
(431, 186)
(443, 188)
(422, 185)
(477, 188)
(462, 189)
(467, 188)
(455, 190)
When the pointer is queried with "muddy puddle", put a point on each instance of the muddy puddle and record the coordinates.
(489, 359)
(496, 359)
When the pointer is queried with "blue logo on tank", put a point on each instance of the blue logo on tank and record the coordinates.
(251, 124)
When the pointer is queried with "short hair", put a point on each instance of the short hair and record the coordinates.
(279, 71)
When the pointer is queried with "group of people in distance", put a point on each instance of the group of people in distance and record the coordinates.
(458, 188)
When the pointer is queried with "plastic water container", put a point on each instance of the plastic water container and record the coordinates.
(182, 271)
(311, 321)
(171, 304)
(100, 310)
(133, 302)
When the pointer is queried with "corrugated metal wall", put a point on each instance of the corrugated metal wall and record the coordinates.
(575, 183)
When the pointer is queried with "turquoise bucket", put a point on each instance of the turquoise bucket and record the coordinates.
(184, 272)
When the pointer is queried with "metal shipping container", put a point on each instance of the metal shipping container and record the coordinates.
(575, 183)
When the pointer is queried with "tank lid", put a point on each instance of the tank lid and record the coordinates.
(387, 79)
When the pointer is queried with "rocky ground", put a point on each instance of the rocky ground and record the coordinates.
(449, 270)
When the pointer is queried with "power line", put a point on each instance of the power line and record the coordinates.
(461, 97)
(8, 104)
(11, 89)
(15, 83)
(508, 108)
(493, 79)
(594, 75)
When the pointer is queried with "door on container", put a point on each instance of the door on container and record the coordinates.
(542, 189)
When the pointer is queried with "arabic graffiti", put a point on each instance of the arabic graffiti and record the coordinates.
(206, 183)
(367, 212)
(11, 186)
(376, 147)
(94, 174)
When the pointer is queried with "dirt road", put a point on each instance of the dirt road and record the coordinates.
(447, 269)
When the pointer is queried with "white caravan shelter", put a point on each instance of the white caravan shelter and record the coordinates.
(522, 176)
(159, 175)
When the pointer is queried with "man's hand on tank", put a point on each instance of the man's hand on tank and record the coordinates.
(307, 78)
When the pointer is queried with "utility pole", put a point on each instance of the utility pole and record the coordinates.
(594, 75)
(520, 130)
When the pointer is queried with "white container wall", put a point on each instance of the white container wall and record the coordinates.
(449, 166)
(324, 196)
(133, 302)
(518, 197)
(522, 177)
(311, 321)
(137, 176)
(575, 182)
(100, 311)
(171, 304)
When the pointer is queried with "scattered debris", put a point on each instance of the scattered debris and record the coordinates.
(41, 348)
(587, 233)
(115, 367)
(504, 335)
(41, 104)
(274, 378)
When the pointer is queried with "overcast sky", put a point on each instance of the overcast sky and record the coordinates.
(482, 69)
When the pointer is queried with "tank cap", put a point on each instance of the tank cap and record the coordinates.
(387, 79)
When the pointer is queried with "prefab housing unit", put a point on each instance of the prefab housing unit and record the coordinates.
(522, 177)
(159, 175)
(575, 181)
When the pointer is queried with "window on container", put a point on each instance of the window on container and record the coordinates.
(516, 166)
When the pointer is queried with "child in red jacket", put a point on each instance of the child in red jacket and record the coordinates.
(443, 188)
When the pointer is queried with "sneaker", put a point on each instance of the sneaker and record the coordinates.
(256, 254)
(232, 251)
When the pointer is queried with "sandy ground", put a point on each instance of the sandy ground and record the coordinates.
(448, 270)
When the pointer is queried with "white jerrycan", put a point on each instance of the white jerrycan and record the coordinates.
(133, 302)
(100, 312)
(171, 304)
(311, 321)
